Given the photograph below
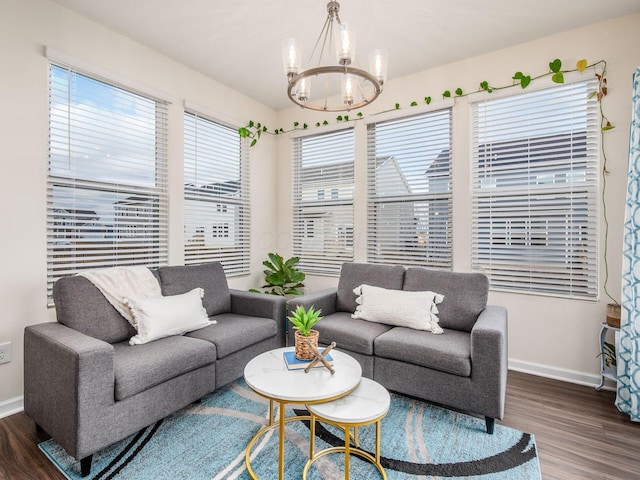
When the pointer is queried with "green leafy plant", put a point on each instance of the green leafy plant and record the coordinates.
(554, 67)
(609, 353)
(521, 79)
(254, 130)
(303, 320)
(282, 277)
(484, 85)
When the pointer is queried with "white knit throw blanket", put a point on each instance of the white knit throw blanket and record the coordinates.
(117, 283)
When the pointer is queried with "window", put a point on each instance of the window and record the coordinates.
(409, 191)
(216, 195)
(323, 224)
(535, 175)
(106, 182)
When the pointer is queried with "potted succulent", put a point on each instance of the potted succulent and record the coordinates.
(303, 321)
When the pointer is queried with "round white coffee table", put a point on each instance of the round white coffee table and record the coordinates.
(268, 376)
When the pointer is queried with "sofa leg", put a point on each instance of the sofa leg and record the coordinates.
(85, 465)
(39, 429)
(491, 423)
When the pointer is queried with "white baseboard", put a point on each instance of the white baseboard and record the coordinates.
(11, 406)
(562, 374)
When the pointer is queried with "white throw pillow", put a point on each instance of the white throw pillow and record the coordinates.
(159, 317)
(400, 308)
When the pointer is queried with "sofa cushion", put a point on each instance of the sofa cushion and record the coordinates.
(356, 274)
(349, 333)
(233, 332)
(465, 294)
(449, 353)
(159, 317)
(208, 276)
(81, 306)
(400, 308)
(140, 367)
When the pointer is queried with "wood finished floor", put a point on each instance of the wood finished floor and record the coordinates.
(579, 434)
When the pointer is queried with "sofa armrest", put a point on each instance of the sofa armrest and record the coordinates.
(324, 300)
(261, 305)
(68, 380)
(489, 355)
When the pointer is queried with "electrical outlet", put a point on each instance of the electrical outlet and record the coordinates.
(5, 352)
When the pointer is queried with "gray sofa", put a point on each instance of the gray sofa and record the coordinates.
(464, 368)
(88, 388)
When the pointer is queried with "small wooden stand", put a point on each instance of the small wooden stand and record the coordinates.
(319, 357)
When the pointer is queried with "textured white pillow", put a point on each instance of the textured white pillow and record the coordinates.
(159, 317)
(400, 308)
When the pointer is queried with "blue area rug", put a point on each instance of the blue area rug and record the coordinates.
(207, 441)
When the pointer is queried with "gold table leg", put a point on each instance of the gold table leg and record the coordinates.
(312, 436)
(281, 453)
(347, 449)
(279, 424)
(347, 454)
(270, 412)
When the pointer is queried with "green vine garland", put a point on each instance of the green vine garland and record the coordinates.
(254, 130)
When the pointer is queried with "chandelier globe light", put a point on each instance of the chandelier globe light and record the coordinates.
(358, 87)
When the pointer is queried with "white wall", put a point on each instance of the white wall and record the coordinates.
(26, 27)
(550, 336)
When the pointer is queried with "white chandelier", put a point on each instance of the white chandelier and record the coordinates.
(359, 87)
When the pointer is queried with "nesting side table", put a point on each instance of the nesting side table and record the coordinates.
(267, 375)
(367, 404)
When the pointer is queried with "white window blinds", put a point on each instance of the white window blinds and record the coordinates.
(323, 201)
(106, 183)
(535, 181)
(409, 191)
(216, 195)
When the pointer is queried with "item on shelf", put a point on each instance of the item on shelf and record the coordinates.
(613, 315)
(608, 359)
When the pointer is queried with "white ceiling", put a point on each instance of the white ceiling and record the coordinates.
(237, 42)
